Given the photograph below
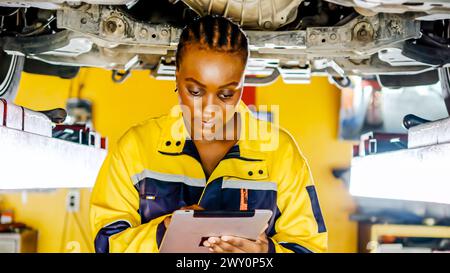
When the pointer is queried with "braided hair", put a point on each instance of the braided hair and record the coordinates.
(213, 33)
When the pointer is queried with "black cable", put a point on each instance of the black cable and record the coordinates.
(38, 29)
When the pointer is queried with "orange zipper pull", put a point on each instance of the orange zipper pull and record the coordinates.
(244, 200)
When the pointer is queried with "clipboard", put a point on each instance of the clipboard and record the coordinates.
(188, 229)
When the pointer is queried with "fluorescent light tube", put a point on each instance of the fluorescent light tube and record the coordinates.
(420, 174)
(30, 161)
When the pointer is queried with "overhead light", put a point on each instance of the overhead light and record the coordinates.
(30, 161)
(420, 174)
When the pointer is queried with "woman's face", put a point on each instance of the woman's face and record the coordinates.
(210, 86)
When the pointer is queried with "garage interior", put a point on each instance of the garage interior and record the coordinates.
(378, 154)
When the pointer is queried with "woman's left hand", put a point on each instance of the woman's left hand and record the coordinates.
(232, 244)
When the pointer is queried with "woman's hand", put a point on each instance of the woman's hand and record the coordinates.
(191, 207)
(232, 244)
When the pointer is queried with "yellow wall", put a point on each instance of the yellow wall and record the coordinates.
(309, 112)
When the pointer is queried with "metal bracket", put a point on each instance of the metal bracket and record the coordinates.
(120, 77)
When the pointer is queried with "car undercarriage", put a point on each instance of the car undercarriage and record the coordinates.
(392, 40)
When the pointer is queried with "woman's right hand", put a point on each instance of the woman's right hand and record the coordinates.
(191, 207)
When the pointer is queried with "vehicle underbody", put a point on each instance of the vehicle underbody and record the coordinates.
(293, 39)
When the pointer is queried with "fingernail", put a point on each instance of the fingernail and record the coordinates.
(210, 249)
(224, 238)
(205, 243)
(212, 240)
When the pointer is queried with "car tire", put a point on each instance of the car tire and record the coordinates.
(11, 67)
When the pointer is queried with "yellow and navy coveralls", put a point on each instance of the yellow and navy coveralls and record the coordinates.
(154, 171)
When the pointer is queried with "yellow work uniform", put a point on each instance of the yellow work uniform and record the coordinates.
(155, 169)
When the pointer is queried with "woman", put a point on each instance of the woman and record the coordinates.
(210, 153)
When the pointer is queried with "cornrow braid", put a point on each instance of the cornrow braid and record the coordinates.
(215, 33)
